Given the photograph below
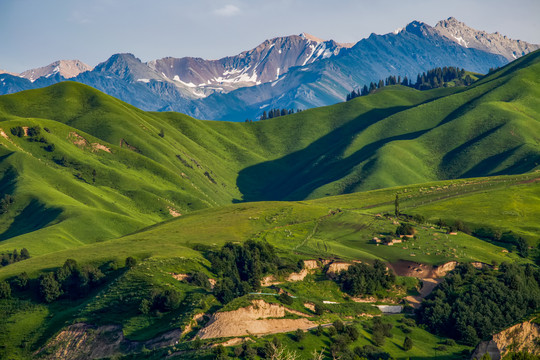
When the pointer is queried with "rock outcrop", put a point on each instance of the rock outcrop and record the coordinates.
(520, 337)
(494, 43)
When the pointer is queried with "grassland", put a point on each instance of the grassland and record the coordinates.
(80, 193)
(111, 186)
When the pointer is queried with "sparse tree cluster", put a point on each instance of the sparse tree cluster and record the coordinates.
(242, 267)
(435, 78)
(5, 203)
(15, 256)
(360, 279)
(276, 113)
(472, 304)
(71, 281)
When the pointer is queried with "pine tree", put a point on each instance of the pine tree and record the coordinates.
(396, 206)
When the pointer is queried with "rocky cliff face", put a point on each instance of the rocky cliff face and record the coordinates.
(520, 337)
(298, 72)
(493, 43)
(262, 64)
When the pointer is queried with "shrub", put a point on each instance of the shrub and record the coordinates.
(5, 290)
(299, 335)
(49, 288)
(17, 131)
(285, 299)
(319, 309)
(201, 279)
(130, 262)
(21, 281)
(407, 344)
(50, 148)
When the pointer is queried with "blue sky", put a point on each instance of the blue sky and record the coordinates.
(38, 32)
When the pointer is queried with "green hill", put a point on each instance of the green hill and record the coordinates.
(87, 177)
(394, 137)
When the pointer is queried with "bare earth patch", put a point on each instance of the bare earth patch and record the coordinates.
(260, 318)
(174, 212)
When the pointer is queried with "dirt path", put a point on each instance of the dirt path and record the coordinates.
(428, 285)
(309, 236)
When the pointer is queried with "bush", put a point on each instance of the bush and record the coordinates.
(405, 229)
(130, 262)
(340, 327)
(49, 288)
(201, 279)
(319, 309)
(165, 301)
(352, 332)
(34, 131)
(5, 290)
(407, 344)
(21, 281)
(50, 148)
(285, 299)
(17, 131)
(299, 335)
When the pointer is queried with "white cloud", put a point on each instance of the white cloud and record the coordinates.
(227, 10)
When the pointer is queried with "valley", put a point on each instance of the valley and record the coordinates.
(155, 234)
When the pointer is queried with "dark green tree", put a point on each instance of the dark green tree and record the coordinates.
(25, 254)
(130, 262)
(5, 290)
(407, 344)
(396, 206)
(49, 288)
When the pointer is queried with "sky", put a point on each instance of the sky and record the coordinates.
(35, 33)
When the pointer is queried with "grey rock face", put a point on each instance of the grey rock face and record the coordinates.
(494, 43)
(296, 72)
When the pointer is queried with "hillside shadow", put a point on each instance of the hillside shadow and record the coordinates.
(8, 180)
(296, 175)
(34, 216)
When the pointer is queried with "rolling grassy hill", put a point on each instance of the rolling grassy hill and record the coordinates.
(111, 173)
(339, 227)
(111, 184)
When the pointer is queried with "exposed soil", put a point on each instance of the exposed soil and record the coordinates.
(336, 267)
(98, 146)
(520, 337)
(260, 318)
(173, 212)
(422, 271)
(181, 277)
(428, 285)
(82, 341)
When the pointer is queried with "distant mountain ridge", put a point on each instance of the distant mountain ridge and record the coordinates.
(494, 43)
(298, 71)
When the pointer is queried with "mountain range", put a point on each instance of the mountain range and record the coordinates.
(296, 72)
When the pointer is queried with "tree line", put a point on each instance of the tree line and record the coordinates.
(240, 268)
(365, 279)
(471, 305)
(15, 256)
(431, 79)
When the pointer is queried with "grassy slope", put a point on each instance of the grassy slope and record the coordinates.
(300, 229)
(396, 136)
(308, 229)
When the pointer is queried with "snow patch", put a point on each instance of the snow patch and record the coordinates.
(176, 78)
(398, 30)
(144, 80)
(461, 41)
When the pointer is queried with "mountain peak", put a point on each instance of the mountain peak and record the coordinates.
(66, 68)
(311, 37)
(418, 28)
(495, 43)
